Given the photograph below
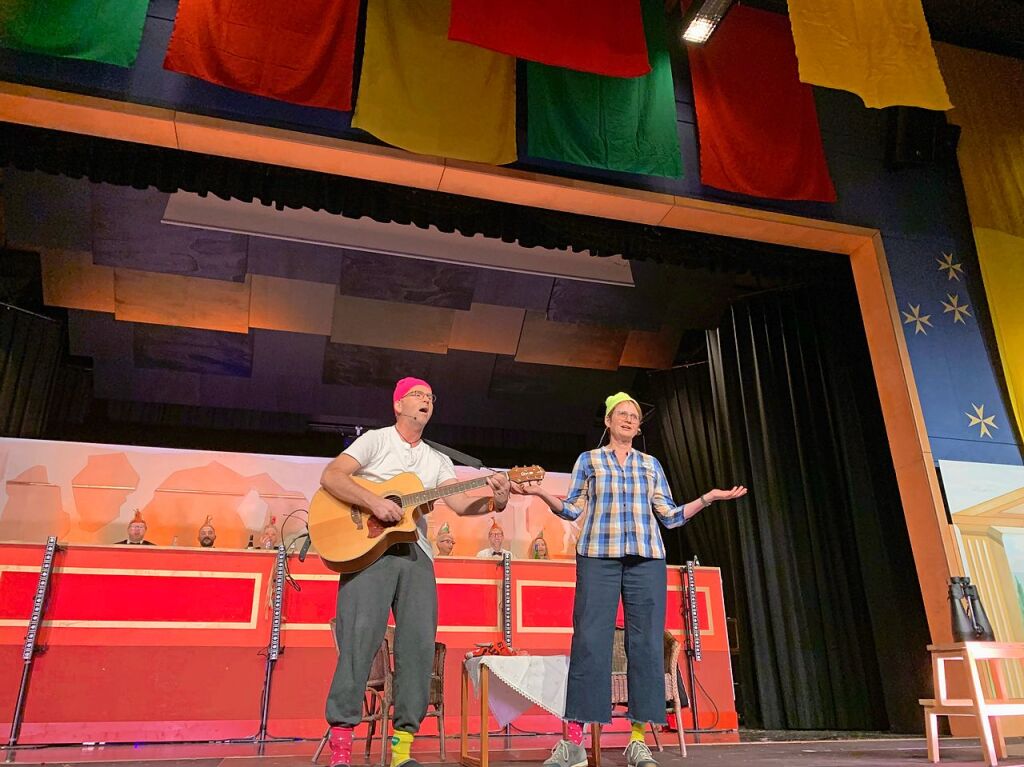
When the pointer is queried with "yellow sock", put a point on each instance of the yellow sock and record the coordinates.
(401, 743)
(637, 733)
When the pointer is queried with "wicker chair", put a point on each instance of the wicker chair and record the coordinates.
(620, 691)
(379, 697)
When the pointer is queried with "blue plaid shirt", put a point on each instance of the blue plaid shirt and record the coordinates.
(622, 502)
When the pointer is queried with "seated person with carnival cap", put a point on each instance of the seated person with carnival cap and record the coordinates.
(539, 547)
(445, 541)
(496, 538)
(137, 532)
(207, 534)
(270, 537)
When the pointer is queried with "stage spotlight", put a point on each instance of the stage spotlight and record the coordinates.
(701, 19)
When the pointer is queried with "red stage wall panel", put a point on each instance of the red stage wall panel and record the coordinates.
(153, 643)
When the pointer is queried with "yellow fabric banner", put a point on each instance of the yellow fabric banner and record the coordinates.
(989, 95)
(879, 49)
(425, 93)
(1002, 269)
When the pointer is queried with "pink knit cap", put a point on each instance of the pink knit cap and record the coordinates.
(402, 387)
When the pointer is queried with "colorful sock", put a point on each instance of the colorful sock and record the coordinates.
(637, 732)
(401, 744)
(340, 744)
(574, 731)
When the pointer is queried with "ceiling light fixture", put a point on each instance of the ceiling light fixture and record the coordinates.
(702, 18)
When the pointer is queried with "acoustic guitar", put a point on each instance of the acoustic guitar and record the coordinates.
(349, 538)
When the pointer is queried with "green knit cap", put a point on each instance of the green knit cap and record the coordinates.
(615, 399)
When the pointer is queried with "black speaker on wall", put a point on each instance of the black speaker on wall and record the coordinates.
(916, 137)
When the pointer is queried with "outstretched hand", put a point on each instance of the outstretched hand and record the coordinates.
(726, 495)
(527, 488)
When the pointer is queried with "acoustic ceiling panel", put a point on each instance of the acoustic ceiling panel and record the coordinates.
(412, 280)
(645, 349)
(193, 351)
(294, 260)
(295, 305)
(351, 365)
(128, 233)
(71, 280)
(512, 380)
(98, 334)
(487, 328)
(569, 344)
(165, 299)
(366, 322)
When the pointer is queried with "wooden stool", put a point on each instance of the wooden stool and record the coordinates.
(985, 711)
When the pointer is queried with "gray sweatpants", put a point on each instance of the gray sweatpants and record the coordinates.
(401, 581)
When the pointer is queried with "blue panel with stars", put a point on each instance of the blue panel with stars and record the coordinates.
(962, 403)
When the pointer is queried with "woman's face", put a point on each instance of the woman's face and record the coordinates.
(540, 548)
(623, 422)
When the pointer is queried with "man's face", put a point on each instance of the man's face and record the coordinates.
(416, 405)
(496, 537)
(445, 544)
(207, 535)
(136, 532)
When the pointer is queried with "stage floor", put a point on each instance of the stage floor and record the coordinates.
(879, 751)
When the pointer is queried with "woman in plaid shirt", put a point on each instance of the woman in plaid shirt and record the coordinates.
(623, 494)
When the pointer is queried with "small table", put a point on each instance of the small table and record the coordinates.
(508, 686)
(986, 711)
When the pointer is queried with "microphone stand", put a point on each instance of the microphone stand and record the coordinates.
(691, 624)
(30, 649)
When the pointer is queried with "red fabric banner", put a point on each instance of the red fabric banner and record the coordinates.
(758, 124)
(296, 52)
(605, 37)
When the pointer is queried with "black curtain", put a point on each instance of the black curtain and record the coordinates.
(817, 557)
(30, 354)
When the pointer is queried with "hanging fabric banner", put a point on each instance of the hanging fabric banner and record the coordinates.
(758, 124)
(301, 53)
(108, 31)
(879, 49)
(616, 123)
(425, 93)
(605, 37)
(991, 157)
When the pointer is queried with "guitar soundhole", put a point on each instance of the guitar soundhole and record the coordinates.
(376, 527)
(357, 517)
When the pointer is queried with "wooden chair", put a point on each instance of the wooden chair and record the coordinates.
(379, 697)
(435, 703)
(620, 691)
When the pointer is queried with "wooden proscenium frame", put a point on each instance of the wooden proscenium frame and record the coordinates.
(936, 556)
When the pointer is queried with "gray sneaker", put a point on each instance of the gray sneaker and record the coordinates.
(567, 754)
(639, 755)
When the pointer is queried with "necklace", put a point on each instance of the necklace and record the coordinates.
(410, 444)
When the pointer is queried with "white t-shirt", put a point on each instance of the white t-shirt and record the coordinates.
(383, 454)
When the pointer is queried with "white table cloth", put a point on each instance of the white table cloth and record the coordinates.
(518, 682)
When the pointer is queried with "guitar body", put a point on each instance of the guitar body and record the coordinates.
(349, 538)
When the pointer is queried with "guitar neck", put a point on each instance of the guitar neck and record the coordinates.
(426, 496)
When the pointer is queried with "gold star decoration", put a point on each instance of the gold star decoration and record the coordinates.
(959, 310)
(980, 419)
(919, 320)
(946, 265)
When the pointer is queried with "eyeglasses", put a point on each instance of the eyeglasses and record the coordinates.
(423, 395)
(628, 417)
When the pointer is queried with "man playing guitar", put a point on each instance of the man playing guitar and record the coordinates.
(400, 581)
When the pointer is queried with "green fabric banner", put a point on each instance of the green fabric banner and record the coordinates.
(107, 31)
(618, 123)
